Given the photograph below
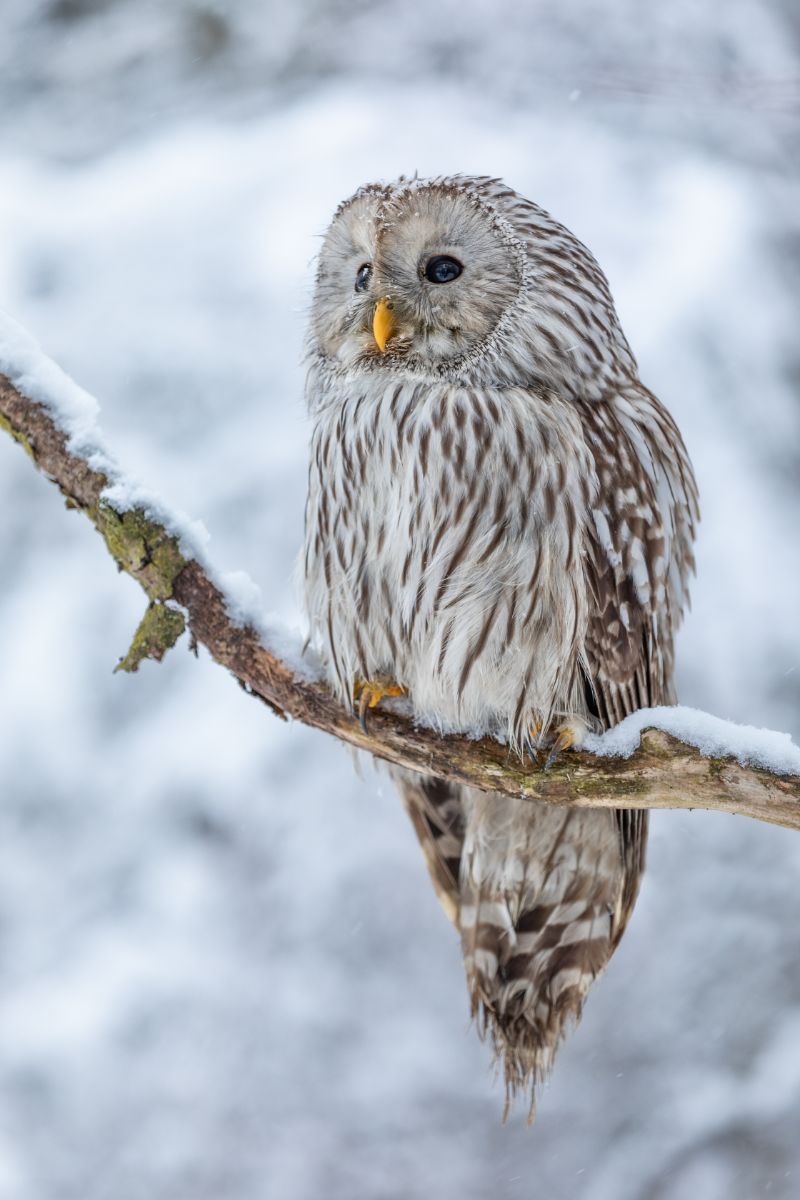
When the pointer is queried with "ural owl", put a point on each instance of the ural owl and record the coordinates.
(499, 525)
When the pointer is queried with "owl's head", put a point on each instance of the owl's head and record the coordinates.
(460, 278)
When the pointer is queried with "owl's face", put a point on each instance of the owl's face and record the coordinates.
(463, 279)
(415, 277)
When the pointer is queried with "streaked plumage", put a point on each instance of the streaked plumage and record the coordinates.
(500, 519)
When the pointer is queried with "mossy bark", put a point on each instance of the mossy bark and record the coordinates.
(664, 773)
(159, 630)
(141, 547)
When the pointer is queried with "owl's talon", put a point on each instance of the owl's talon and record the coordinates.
(532, 742)
(567, 735)
(369, 693)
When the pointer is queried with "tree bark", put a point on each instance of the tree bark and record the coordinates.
(663, 773)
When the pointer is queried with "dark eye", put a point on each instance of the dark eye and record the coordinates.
(363, 277)
(442, 269)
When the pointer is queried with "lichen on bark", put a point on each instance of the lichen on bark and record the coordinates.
(141, 547)
(158, 631)
(18, 436)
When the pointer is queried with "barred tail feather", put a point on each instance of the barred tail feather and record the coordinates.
(436, 812)
(543, 894)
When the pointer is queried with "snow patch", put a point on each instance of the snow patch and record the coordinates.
(245, 607)
(38, 377)
(712, 736)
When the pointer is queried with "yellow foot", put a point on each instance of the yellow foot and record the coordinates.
(368, 693)
(570, 733)
(532, 740)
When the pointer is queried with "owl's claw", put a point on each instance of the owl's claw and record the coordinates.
(368, 693)
(533, 740)
(569, 734)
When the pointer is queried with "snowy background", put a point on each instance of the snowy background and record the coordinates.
(223, 973)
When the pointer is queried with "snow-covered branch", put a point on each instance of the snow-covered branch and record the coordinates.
(659, 758)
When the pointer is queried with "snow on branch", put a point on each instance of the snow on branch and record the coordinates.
(657, 758)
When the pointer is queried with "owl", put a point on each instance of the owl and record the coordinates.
(499, 527)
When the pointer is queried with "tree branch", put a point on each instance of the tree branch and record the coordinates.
(663, 773)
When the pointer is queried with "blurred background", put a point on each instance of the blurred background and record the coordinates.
(223, 972)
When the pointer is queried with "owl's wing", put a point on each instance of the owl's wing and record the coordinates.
(639, 553)
(638, 562)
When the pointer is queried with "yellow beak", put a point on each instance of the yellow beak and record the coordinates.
(383, 323)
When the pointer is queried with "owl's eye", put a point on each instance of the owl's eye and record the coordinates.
(442, 269)
(363, 277)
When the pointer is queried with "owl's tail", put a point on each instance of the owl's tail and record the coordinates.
(545, 897)
(437, 814)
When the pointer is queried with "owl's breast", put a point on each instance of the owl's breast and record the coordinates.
(444, 547)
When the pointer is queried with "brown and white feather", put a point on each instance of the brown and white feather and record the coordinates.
(500, 518)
